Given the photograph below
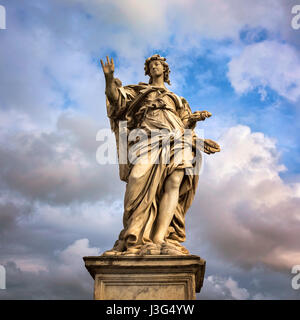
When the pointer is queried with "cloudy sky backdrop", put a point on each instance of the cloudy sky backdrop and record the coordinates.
(238, 59)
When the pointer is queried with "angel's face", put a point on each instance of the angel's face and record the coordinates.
(156, 68)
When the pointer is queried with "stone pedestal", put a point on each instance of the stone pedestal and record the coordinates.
(146, 277)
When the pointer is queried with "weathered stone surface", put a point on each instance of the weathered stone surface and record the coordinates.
(146, 277)
(149, 119)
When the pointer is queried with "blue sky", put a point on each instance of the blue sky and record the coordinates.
(238, 59)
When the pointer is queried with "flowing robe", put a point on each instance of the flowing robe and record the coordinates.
(154, 110)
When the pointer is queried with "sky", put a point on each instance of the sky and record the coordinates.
(238, 59)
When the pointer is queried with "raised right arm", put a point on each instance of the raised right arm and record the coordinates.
(111, 90)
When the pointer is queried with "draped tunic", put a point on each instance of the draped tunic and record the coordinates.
(159, 113)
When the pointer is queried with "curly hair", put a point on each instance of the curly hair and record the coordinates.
(163, 62)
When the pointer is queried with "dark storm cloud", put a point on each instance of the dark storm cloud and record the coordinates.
(58, 167)
(59, 281)
(9, 214)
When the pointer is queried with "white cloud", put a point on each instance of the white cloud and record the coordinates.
(248, 213)
(236, 292)
(267, 64)
(226, 288)
(217, 287)
(153, 19)
(71, 257)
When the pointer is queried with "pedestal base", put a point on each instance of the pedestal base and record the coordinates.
(146, 277)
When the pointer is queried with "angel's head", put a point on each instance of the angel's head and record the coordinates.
(156, 66)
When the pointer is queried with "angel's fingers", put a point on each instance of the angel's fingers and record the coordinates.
(196, 116)
(211, 150)
(214, 149)
(211, 142)
(107, 59)
(206, 114)
(102, 64)
(212, 145)
(112, 62)
(207, 151)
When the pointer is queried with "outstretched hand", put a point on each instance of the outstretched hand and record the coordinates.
(211, 146)
(198, 116)
(108, 67)
(208, 146)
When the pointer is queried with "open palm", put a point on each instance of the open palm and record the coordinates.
(108, 67)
